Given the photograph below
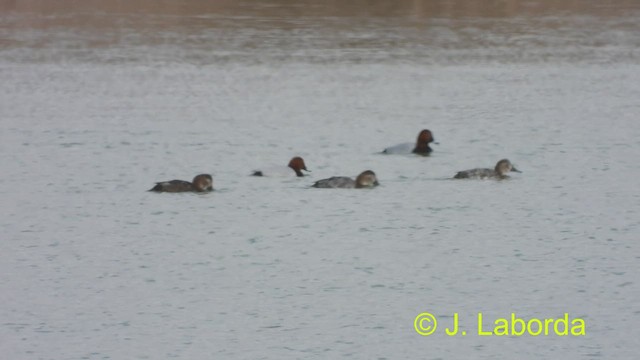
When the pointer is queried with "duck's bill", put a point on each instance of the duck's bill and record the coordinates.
(515, 170)
(306, 170)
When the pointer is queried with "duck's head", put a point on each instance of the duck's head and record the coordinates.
(297, 164)
(504, 166)
(367, 179)
(202, 182)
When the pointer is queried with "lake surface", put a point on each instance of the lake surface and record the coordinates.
(99, 101)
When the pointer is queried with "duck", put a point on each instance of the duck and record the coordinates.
(499, 172)
(200, 183)
(366, 179)
(296, 165)
(421, 147)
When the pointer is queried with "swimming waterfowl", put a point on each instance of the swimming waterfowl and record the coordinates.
(200, 183)
(499, 172)
(366, 179)
(295, 167)
(421, 146)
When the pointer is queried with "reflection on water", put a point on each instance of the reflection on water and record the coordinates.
(301, 8)
(356, 31)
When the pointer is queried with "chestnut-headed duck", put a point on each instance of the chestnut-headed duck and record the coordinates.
(421, 146)
(366, 179)
(499, 172)
(296, 165)
(200, 183)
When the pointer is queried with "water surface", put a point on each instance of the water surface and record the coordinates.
(99, 101)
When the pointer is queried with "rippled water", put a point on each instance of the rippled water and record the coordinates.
(100, 101)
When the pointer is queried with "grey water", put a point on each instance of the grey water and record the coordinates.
(99, 100)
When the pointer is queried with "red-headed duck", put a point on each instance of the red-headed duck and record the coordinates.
(200, 183)
(421, 146)
(366, 179)
(499, 172)
(296, 165)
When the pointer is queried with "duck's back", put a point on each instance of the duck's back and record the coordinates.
(343, 182)
(475, 173)
(404, 148)
(173, 186)
(275, 171)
